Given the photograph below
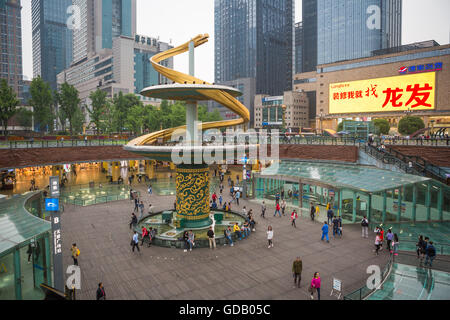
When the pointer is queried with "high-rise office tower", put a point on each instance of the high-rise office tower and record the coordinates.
(52, 39)
(298, 47)
(336, 30)
(100, 22)
(11, 44)
(255, 39)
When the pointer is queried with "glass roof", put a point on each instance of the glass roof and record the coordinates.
(363, 178)
(17, 224)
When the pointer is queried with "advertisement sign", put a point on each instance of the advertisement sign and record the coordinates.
(421, 68)
(52, 204)
(270, 99)
(54, 186)
(57, 252)
(399, 93)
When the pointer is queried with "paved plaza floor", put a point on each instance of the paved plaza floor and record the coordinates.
(247, 271)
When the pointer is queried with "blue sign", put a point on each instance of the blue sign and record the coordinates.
(421, 68)
(52, 204)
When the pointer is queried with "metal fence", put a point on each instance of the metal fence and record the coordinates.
(364, 292)
(29, 144)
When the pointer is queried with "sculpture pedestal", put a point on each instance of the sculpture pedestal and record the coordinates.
(193, 196)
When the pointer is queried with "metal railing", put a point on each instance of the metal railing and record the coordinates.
(319, 140)
(39, 144)
(434, 142)
(364, 292)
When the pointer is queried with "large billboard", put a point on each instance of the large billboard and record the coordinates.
(400, 93)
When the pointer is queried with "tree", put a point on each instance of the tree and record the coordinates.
(205, 116)
(8, 104)
(136, 118)
(25, 117)
(409, 125)
(41, 100)
(99, 102)
(383, 125)
(122, 104)
(70, 107)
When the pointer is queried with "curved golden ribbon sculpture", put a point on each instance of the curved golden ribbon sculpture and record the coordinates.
(220, 96)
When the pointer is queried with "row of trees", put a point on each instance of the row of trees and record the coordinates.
(124, 112)
(406, 126)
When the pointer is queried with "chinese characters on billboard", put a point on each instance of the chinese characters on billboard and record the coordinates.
(400, 93)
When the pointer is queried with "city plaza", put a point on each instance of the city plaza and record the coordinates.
(103, 195)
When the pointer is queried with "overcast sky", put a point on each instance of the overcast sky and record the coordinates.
(180, 20)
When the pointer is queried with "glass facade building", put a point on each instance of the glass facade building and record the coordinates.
(52, 39)
(347, 29)
(382, 196)
(255, 39)
(11, 44)
(100, 22)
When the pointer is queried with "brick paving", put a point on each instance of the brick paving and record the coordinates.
(247, 271)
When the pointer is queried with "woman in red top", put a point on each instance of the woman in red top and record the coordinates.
(277, 210)
(381, 238)
(144, 235)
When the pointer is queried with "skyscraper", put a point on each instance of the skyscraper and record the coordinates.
(254, 39)
(101, 22)
(347, 29)
(52, 39)
(298, 47)
(11, 44)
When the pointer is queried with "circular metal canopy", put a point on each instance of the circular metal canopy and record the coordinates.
(185, 92)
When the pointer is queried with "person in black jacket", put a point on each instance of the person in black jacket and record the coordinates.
(101, 295)
(211, 238)
(185, 239)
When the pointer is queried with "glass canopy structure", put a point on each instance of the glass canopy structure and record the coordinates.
(25, 244)
(355, 191)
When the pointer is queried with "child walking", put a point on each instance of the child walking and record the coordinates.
(270, 236)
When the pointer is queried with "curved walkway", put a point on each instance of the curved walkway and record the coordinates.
(247, 271)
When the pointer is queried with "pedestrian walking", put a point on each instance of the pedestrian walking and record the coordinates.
(294, 217)
(389, 238)
(270, 236)
(315, 286)
(336, 226)
(75, 253)
(325, 230)
(419, 247)
(297, 267)
(101, 295)
(431, 253)
(394, 245)
(135, 242)
(365, 228)
(150, 190)
(313, 212)
(381, 238)
(141, 208)
(211, 238)
(136, 204)
(238, 195)
(330, 215)
(244, 211)
(283, 206)
(133, 221)
(263, 210)
(220, 198)
(377, 243)
(277, 210)
(277, 197)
